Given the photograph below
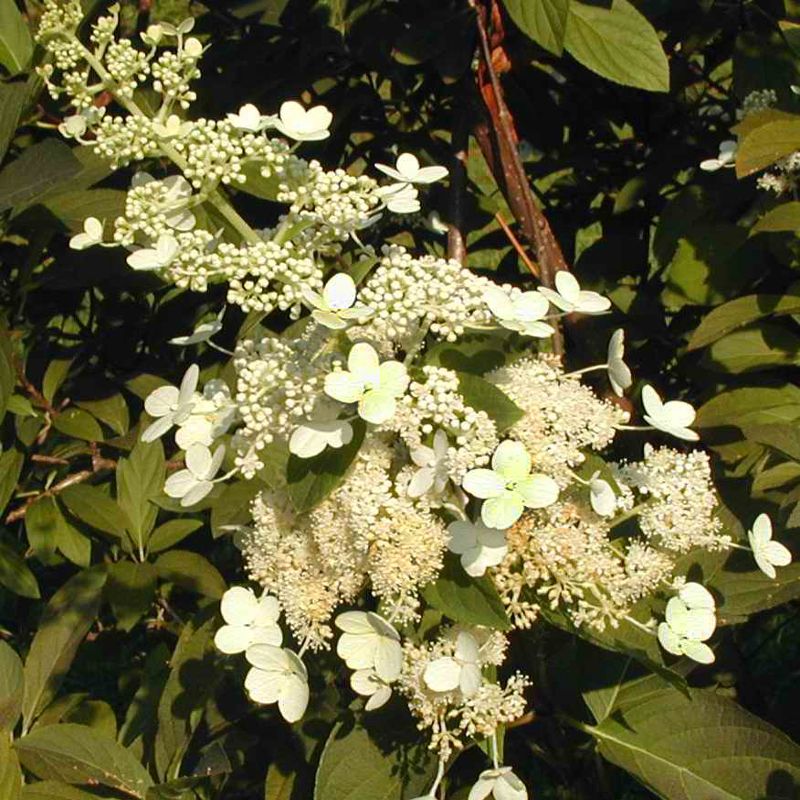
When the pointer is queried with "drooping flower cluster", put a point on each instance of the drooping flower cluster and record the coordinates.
(384, 454)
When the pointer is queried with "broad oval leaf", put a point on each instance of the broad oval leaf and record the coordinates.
(686, 746)
(618, 43)
(16, 44)
(12, 682)
(545, 21)
(354, 766)
(740, 312)
(79, 755)
(69, 615)
(471, 601)
(764, 145)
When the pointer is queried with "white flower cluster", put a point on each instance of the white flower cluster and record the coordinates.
(379, 465)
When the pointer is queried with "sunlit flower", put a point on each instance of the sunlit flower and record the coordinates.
(408, 170)
(432, 474)
(569, 297)
(192, 484)
(619, 374)
(501, 783)
(158, 257)
(368, 641)
(726, 157)
(249, 620)
(522, 313)
(323, 429)
(400, 198)
(509, 487)
(690, 620)
(170, 405)
(460, 671)
(373, 385)
(479, 547)
(673, 417)
(277, 676)
(767, 553)
(303, 125)
(367, 683)
(92, 234)
(335, 307)
(211, 416)
(249, 118)
(202, 333)
(601, 496)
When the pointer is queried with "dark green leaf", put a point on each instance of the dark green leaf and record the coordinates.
(112, 410)
(16, 45)
(471, 601)
(311, 480)
(79, 755)
(15, 575)
(130, 591)
(740, 312)
(78, 423)
(53, 790)
(72, 208)
(700, 745)
(11, 462)
(232, 507)
(358, 766)
(13, 99)
(170, 533)
(96, 509)
(763, 347)
(140, 479)
(55, 374)
(40, 167)
(192, 678)
(484, 396)
(191, 571)
(12, 683)
(69, 615)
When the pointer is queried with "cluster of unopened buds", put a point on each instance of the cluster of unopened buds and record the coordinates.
(444, 475)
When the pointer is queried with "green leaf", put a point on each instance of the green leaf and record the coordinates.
(40, 167)
(11, 462)
(763, 347)
(618, 43)
(785, 217)
(53, 790)
(750, 406)
(191, 571)
(358, 766)
(130, 591)
(112, 410)
(12, 682)
(740, 312)
(96, 509)
(72, 544)
(67, 619)
(10, 772)
(13, 99)
(256, 184)
(311, 480)
(79, 755)
(72, 208)
(785, 438)
(7, 375)
(193, 675)
(55, 375)
(484, 396)
(700, 745)
(170, 533)
(545, 21)
(15, 574)
(16, 45)
(472, 601)
(232, 507)
(78, 423)
(140, 479)
(41, 522)
(765, 144)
